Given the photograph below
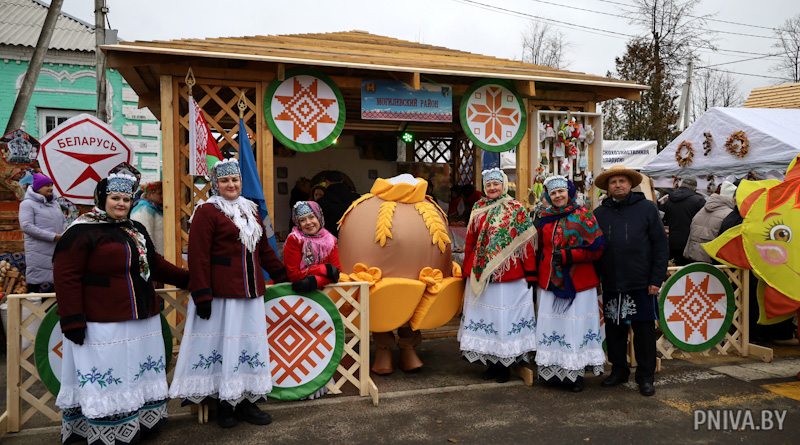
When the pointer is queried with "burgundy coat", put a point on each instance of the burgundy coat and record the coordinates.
(96, 273)
(219, 264)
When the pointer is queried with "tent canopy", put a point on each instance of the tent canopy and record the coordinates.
(774, 136)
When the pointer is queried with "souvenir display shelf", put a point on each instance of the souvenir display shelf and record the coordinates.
(578, 156)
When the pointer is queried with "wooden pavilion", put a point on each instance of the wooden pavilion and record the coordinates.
(229, 66)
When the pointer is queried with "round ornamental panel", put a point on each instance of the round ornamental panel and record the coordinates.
(493, 116)
(47, 351)
(306, 341)
(305, 111)
(696, 307)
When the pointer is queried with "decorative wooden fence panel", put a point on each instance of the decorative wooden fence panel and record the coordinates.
(27, 397)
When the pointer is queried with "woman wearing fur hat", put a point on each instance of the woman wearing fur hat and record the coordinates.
(113, 376)
(42, 222)
(498, 326)
(224, 351)
(568, 320)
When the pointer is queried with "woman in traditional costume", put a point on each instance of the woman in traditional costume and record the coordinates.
(224, 351)
(311, 253)
(569, 316)
(113, 376)
(498, 326)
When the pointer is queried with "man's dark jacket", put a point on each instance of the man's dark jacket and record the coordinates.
(636, 245)
(680, 208)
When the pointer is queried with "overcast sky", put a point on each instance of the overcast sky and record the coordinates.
(453, 24)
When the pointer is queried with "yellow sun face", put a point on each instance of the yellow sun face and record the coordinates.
(771, 240)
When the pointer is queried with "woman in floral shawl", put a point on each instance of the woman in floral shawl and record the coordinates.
(499, 324)
(569, 318)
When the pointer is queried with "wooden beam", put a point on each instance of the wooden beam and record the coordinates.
(624, 93)
(415, 81)
(265, 152)
(565, 96)
(281, 72)
(171, 179)
(525, 88)
(133, 78)
(524, 160)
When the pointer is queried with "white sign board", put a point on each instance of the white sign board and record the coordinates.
(631, 154)
(77, 154)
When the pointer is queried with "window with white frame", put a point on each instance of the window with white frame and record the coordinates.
(51, 118)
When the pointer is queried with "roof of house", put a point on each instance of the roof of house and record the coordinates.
(779, 96)
(22, 20)
(362, 50)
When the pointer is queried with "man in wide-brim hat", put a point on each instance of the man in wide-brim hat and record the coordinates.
(633, 176)
(633, 266)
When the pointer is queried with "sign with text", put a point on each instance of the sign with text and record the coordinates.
(395, 101)
(77, 154)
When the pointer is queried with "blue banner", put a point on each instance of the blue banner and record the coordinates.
(251, 185)
(395, 101)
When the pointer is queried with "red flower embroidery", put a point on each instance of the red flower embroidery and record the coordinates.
(520, 217)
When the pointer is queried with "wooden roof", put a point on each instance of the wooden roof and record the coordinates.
(347, 56)
(780, 96)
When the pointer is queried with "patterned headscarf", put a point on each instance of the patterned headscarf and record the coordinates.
(315, 248)
(221, 169)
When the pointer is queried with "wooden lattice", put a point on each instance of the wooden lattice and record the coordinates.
(465, 162)
(219, 104)
(28, 397)
(435, 150)
(736, 339)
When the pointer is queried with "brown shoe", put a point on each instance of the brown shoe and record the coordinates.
(409, 360)
(384, 344)
(382, 364)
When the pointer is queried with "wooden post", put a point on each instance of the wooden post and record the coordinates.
(363, 344)
(524, 160)
(478, 158)
(744, 294)
(13, 357)
(171, 180)
(265, 156)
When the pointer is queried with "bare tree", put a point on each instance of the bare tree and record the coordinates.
(544, 45)
(714, 89)
(674, 31)
(789, 48)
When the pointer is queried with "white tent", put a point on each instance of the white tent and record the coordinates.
(774, 136)
(631, 154)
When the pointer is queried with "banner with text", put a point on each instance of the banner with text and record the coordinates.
(396, 101)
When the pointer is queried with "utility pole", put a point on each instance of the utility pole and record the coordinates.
(686, 99)
(688, 102)
(34, 67)
(100, 11)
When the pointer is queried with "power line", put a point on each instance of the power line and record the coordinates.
(588, 29)
(737, 61)
(507, 11)
(744, 74)
(729, 22)
(629, 18)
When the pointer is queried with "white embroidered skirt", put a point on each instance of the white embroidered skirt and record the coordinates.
(226, 356)
(119, 368)
(500, 325)
(569, 341)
